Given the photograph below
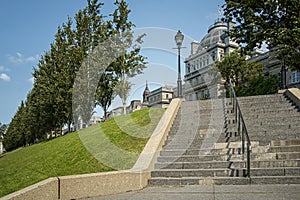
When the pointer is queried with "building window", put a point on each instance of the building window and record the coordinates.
(295, 77)
(214, 56)
(167, 96)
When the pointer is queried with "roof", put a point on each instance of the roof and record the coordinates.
(214, 35)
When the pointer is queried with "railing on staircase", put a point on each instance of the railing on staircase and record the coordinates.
(241, 128)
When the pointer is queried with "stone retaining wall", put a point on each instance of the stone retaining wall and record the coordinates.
(294, 95)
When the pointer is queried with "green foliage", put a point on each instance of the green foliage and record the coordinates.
(234, 67)
(259, 86)
(15, 135)
(105, 91)
(275, 22)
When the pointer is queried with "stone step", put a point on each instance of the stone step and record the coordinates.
(231, 157)
(213, 151)
(192, 165)
(270, 119)
(280, 112)
(273, 156)
(269, 108)
(202, 151)
(225, 180)
(283, 114)
(285, 142)
(200, 126)
(227, 164)
(262, 98)
(257, 103)
(197, 143)
(177, 173)
(225, 172)
(215, 148)
(264, 104)
(191, 158)
(264, 140)
(196, 134)
(269, 128)
(274, 133)
(290, 148)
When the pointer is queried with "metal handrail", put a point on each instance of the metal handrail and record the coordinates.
(241, 127)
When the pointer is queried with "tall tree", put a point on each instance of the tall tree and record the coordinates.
(15, 135)
(90, 31)
(105, 91)
(122, 90)
(130, 63)
(275, 22)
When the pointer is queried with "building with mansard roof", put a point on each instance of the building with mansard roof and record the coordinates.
(215, 44)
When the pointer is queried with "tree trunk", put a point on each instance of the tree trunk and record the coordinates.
(124, 107)
(105, 113)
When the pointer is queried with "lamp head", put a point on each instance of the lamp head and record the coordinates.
(179, 38)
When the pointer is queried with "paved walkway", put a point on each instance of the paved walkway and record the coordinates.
(244, 192)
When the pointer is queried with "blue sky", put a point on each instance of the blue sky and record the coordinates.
(28, 28)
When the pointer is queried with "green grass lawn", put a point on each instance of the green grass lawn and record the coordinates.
(113, 145)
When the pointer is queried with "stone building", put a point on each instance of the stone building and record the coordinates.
(273, 66)
(161, 97)
(199, 83)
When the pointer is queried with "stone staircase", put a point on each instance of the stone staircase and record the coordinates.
(204, 147)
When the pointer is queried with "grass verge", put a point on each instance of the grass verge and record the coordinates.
(113, 145)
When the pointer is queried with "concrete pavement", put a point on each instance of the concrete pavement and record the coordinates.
(215, 192)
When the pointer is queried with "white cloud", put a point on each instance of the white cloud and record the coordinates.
(31, 80)
(20, 59)
(2, 68)
(19, 54)
(5, 77)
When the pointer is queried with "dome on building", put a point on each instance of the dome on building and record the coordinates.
(214, 35)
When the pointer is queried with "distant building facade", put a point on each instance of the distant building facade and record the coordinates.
(273, 66)
(161, 97)
(134, 106)
(212, 48)
(80, 125)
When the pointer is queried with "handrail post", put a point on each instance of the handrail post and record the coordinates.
(243, 139)
(236, 109)
(249, 149)
(239, 125)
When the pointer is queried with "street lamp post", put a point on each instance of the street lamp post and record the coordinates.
(283, 77)
(179, 39)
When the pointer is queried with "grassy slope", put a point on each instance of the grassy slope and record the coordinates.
(68, 155)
